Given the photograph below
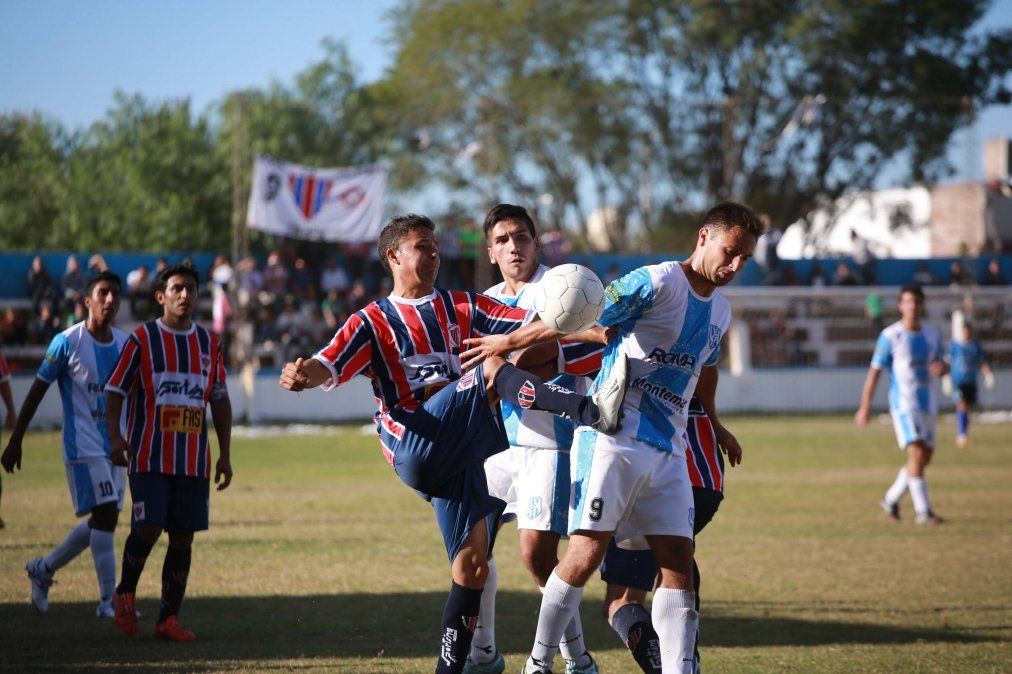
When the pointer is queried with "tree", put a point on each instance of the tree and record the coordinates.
(32, 185)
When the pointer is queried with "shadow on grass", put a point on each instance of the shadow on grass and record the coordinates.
(263, 631)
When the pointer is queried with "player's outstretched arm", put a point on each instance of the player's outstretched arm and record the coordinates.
(303, 374)
(706, 391)
(12, 454)
(867, 393)
(481, 348)
(221, 415)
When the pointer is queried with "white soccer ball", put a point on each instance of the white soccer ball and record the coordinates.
(569, 298)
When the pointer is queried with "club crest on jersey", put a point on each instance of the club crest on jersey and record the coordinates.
(526, 395)
(205, 361)
(454, 335)
(714, 336)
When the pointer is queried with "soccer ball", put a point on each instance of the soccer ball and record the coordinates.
(569, 298)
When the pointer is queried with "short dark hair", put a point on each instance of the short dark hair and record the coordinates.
(103, 276)
(396, 230)
(728, 214)
(183, 269)
(506, 213)
(914, 289)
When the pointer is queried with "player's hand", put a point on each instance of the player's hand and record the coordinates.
(861, 416)
(480, 348)
(938, 368)
(119, 451)
(728, 444)
(11, 458)
(293, 377)
(223, 472)
(989, 381)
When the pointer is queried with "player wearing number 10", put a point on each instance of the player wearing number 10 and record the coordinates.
(169, 371)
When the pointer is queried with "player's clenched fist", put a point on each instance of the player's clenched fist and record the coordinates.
(294, 376)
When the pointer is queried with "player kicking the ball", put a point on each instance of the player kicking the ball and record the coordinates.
(669, 319)
(435, 420)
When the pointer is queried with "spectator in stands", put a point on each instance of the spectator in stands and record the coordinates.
(46, 324)
(141, 293)
(221, 307)
(923, 276)
(80, 313)
(13, 327)
(334, 309)
(844, 276)
(40, 284)
(958, 278)
(875, 311)
(358, 297)
(275, 277)
(863, 258)
(333, 278)
(817, 277)
(97, 264)
(160, 264)
(789, 275)
(73, 284)
(766, 251)
(301, 281)
(994, 277)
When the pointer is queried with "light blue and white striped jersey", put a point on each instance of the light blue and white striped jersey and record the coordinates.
(532, 428)
(669, 334)
(907, 355)
(965, 360)
(81, 367)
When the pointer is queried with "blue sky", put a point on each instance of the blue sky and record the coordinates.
(66, 58)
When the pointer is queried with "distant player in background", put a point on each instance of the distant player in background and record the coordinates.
(532, 476)
(8, 398)
(912, 352)
(630, 574)
(80, 360)
(966, 358)
(169, 371)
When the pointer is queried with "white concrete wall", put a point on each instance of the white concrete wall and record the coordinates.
(762, 390)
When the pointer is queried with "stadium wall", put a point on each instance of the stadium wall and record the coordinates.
(781, 390)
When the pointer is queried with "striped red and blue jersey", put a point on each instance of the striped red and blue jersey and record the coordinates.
(704, 460)
(410, 348)
(5, 370)
(168, 377)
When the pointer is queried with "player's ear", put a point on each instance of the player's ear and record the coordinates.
(491, 258)
(704, 235)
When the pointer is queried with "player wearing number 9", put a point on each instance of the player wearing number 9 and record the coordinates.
(81, 359)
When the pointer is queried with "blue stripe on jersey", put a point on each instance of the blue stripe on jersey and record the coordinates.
(405, 346)
(920, 355)
(66, 383)
(511, 420)
(432, 329)
(157, 350)
(560, 494)
(698, 458)
(450, 316)
(106, 357)
(584, 461)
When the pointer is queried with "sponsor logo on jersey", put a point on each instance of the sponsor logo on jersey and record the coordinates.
(526, 395)
(426, 371)
(660, 392)
(184, 388)
(176, 419)
(95, 388)
(682, 361)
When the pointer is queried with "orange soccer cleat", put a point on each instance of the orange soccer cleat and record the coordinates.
(172, 630)
(126, 614)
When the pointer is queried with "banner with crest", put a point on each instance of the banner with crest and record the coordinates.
(317, 204)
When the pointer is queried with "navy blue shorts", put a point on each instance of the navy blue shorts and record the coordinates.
(175, 503)
(636, 568)
(441, 454)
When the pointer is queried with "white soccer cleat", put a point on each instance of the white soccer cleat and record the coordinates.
(611, 395)
(41, 580)
(105, 609)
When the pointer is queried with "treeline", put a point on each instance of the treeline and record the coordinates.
(651, 108)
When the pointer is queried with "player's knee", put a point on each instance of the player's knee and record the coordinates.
(539, 562)
(148, 534)
(104, 517)
(180, 539)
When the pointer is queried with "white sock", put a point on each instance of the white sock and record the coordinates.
(559, 602)
(676, 622)
(104, 555)
(483, 644)
(572, 647)
(898, 489)
(919, 494)
(74, 544)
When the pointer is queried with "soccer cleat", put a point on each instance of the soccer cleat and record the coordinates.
(928, 518)
(496, 665)
(891, 510)
(105, 609)
(125, 613)
(41, 580)
(592, 668)
(524, 670)
(610, 396)
(172, 630)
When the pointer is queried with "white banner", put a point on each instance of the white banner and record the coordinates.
(301, 202)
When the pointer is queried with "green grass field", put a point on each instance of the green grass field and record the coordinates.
(319, 559)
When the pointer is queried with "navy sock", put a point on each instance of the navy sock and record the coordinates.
(522, 388)
(634, 627)
(135, 553)
(175, 571)
(962, 422)
(460, 617)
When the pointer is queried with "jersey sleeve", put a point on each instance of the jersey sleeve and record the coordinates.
(127, 369)
(580, 358)
(882, 358)
(714, 357)
(55, 360)
(627, 297)
(218, 384)
(492, 317)
(5, 370)
(349, 352)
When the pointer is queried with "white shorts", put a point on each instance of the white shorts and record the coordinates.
(95, 481)
(631, 488)
(913, 425)
(534, 482)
